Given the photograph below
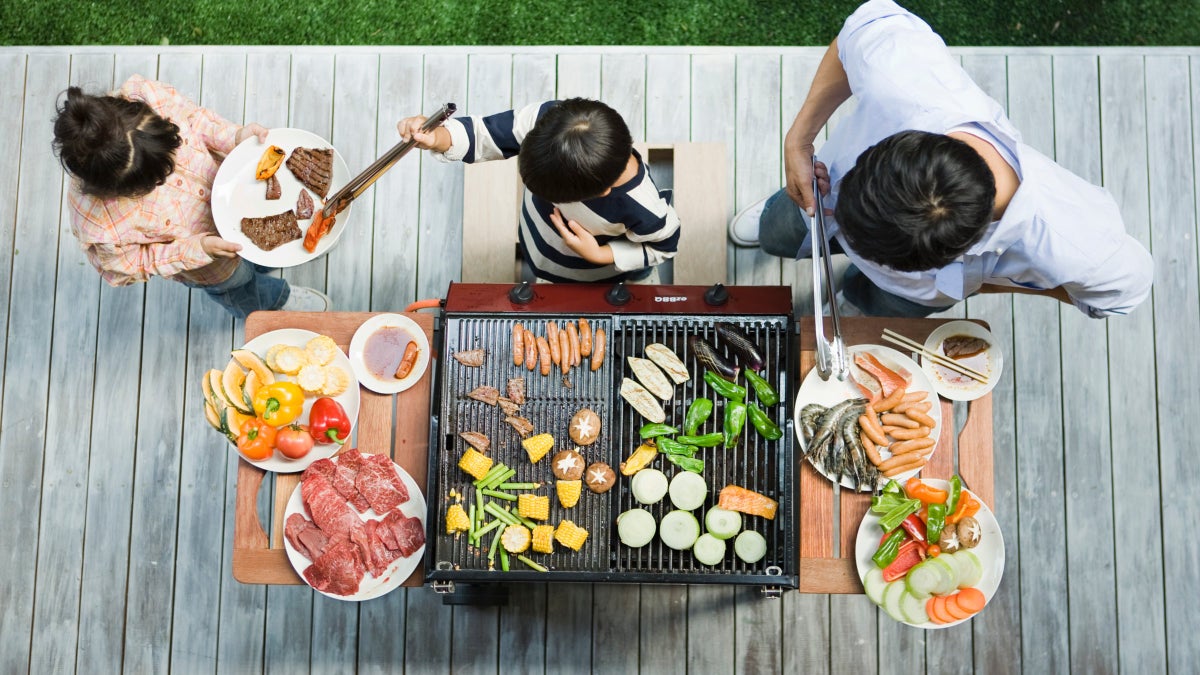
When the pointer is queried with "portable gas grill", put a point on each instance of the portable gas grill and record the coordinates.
(482, 316)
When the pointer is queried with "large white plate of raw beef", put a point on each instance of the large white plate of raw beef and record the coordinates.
(354, 529)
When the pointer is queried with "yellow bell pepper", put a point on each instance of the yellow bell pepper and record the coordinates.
(269, 163)
(279, 403)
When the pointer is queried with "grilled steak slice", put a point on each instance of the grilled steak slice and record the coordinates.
(476, 440)
(508, 406)
(963, 346)
(516, 390)
(304, 205)
(471, 358)
(269, 232)
(314, 168)
(523, 426)
(484, 394)
(274, 189)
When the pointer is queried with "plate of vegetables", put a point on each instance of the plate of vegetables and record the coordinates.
(929, 552)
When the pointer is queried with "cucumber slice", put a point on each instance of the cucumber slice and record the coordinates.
(678, 529)
(709, 550)
(972, 568)
(750, 546)
(874, 585)
(956, 567)
(688, 490)
(648, 486)
(891, 600)
(636, 527)
(722, 523)
(923, 579)
(949, 576)
(913, 609)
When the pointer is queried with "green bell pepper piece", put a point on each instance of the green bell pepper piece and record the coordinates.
(672, 447)
(687, 463)
(724, 387)
(894, 517)
(955, 491)
(656, 430)
(735, 419)
(935, 522)
(762, 423)
(889, 549)
(697, 413)
(762, 389)
(706, 441)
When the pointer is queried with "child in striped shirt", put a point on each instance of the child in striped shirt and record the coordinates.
(591, 211)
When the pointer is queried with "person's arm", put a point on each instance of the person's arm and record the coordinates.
(1059, 293)
(475, 139)
(123, 264)
(830, 88)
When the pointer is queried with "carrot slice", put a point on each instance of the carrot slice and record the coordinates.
(939, 610)
(971, 600)
(953, 609)
(930, 606)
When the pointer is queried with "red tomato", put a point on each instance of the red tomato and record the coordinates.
(294, 441)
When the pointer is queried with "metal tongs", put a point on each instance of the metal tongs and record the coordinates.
(831, 354)
(349, 192)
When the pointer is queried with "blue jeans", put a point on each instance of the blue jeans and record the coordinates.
(248, 289)
(783, 231)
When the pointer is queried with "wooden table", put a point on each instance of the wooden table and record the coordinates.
(259, 559)
(821, 571)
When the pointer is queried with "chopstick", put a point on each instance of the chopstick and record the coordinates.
(898, 339)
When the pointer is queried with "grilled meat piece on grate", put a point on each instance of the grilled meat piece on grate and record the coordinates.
(304, 205)
(516, 390)
(484, 394)
(523, 426)
(509, 407)
(314, 168)
(269, 232)
(274, 189)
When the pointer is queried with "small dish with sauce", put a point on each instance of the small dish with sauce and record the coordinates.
(377, 353)
(989, 360)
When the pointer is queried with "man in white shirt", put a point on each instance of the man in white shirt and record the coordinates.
(934, 196)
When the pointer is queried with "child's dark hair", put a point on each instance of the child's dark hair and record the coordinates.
(114, 146)
(576, 151)
(916, 201)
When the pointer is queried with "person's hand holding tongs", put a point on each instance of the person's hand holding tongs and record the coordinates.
(831, 354)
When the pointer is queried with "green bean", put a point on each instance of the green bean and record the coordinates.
(500, 495)
(532, 564)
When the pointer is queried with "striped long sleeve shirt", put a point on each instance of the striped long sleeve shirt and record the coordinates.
(634, 219)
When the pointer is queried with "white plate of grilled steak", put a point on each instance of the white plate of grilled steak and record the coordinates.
(271, 230)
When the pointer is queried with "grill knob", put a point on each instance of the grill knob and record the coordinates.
(618, 295)
(521, 294)
(716, 295)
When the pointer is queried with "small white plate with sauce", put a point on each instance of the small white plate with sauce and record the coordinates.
(955, 386)
(378, 347)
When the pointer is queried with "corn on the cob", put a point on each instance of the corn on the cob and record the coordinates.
(515, 538)
(475, 463)
(538, 446)
(456, 519)
(533, 506)
(570, 535)
(568, 492)
(543, 539)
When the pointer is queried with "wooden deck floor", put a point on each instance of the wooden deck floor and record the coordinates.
(116, 501)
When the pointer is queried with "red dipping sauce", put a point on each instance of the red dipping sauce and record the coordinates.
(383, 351)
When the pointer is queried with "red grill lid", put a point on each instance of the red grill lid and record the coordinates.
(607, 299)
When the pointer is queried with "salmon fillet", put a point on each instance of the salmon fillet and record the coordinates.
(889, 380)
(736, 498)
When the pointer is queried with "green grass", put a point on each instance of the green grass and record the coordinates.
(577, 22)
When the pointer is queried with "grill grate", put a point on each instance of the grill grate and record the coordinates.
(755, 464)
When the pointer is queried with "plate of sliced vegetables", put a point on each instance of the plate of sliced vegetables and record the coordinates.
(918, 581)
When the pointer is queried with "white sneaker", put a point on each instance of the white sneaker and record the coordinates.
(743, 229)
(304, 299)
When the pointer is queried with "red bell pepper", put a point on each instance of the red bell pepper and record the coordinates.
(908, 556)
(915, 527)
(328, 421)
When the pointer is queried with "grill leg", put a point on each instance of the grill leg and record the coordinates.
(477, 595)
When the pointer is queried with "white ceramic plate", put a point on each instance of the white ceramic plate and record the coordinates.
(236, 195)
(359, 342)
(349, 399)
(833, 391)
(990, 550)
(397, 572)
(955, 386)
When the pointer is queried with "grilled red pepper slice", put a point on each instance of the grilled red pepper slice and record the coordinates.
(914, 527)
(328, 421)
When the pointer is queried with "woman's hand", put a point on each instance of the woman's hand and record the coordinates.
(581, 241)
(219, 248)
(437, 140)
(252, 129)
(798, 167)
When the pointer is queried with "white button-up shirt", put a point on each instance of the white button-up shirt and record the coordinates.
(1058, 230)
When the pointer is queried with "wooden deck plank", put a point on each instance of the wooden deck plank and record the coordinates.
(427, 638)
(439, 241)
(997, 645)
(796, 74)
(569, 628)
(1176, 323)
(309, 106)
(623, 88)
(1037, 360)
(714, 116)
(12, 78)
(1091, 594)
(668, 81)
(616, 629)
(759, 159)
(853, 642)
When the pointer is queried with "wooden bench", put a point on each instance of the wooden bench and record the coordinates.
(492, 194)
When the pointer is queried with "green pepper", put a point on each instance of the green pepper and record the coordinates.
(955, 491)
(762, 423)
(724, 387)
(735, 419)
(893, 487)
(889, 549)
(935, 522)
(697, 413)
(894, 517)
(687, 463)
(884, 503)
(656, 430)
(762, 389)
(706, 441)
(672, 447)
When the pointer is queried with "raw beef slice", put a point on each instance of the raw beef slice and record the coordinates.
(410, 533)
(381, 555)
(328, 508)
(378, 482)
(339, 571)
(348, 465)
(305, 537)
